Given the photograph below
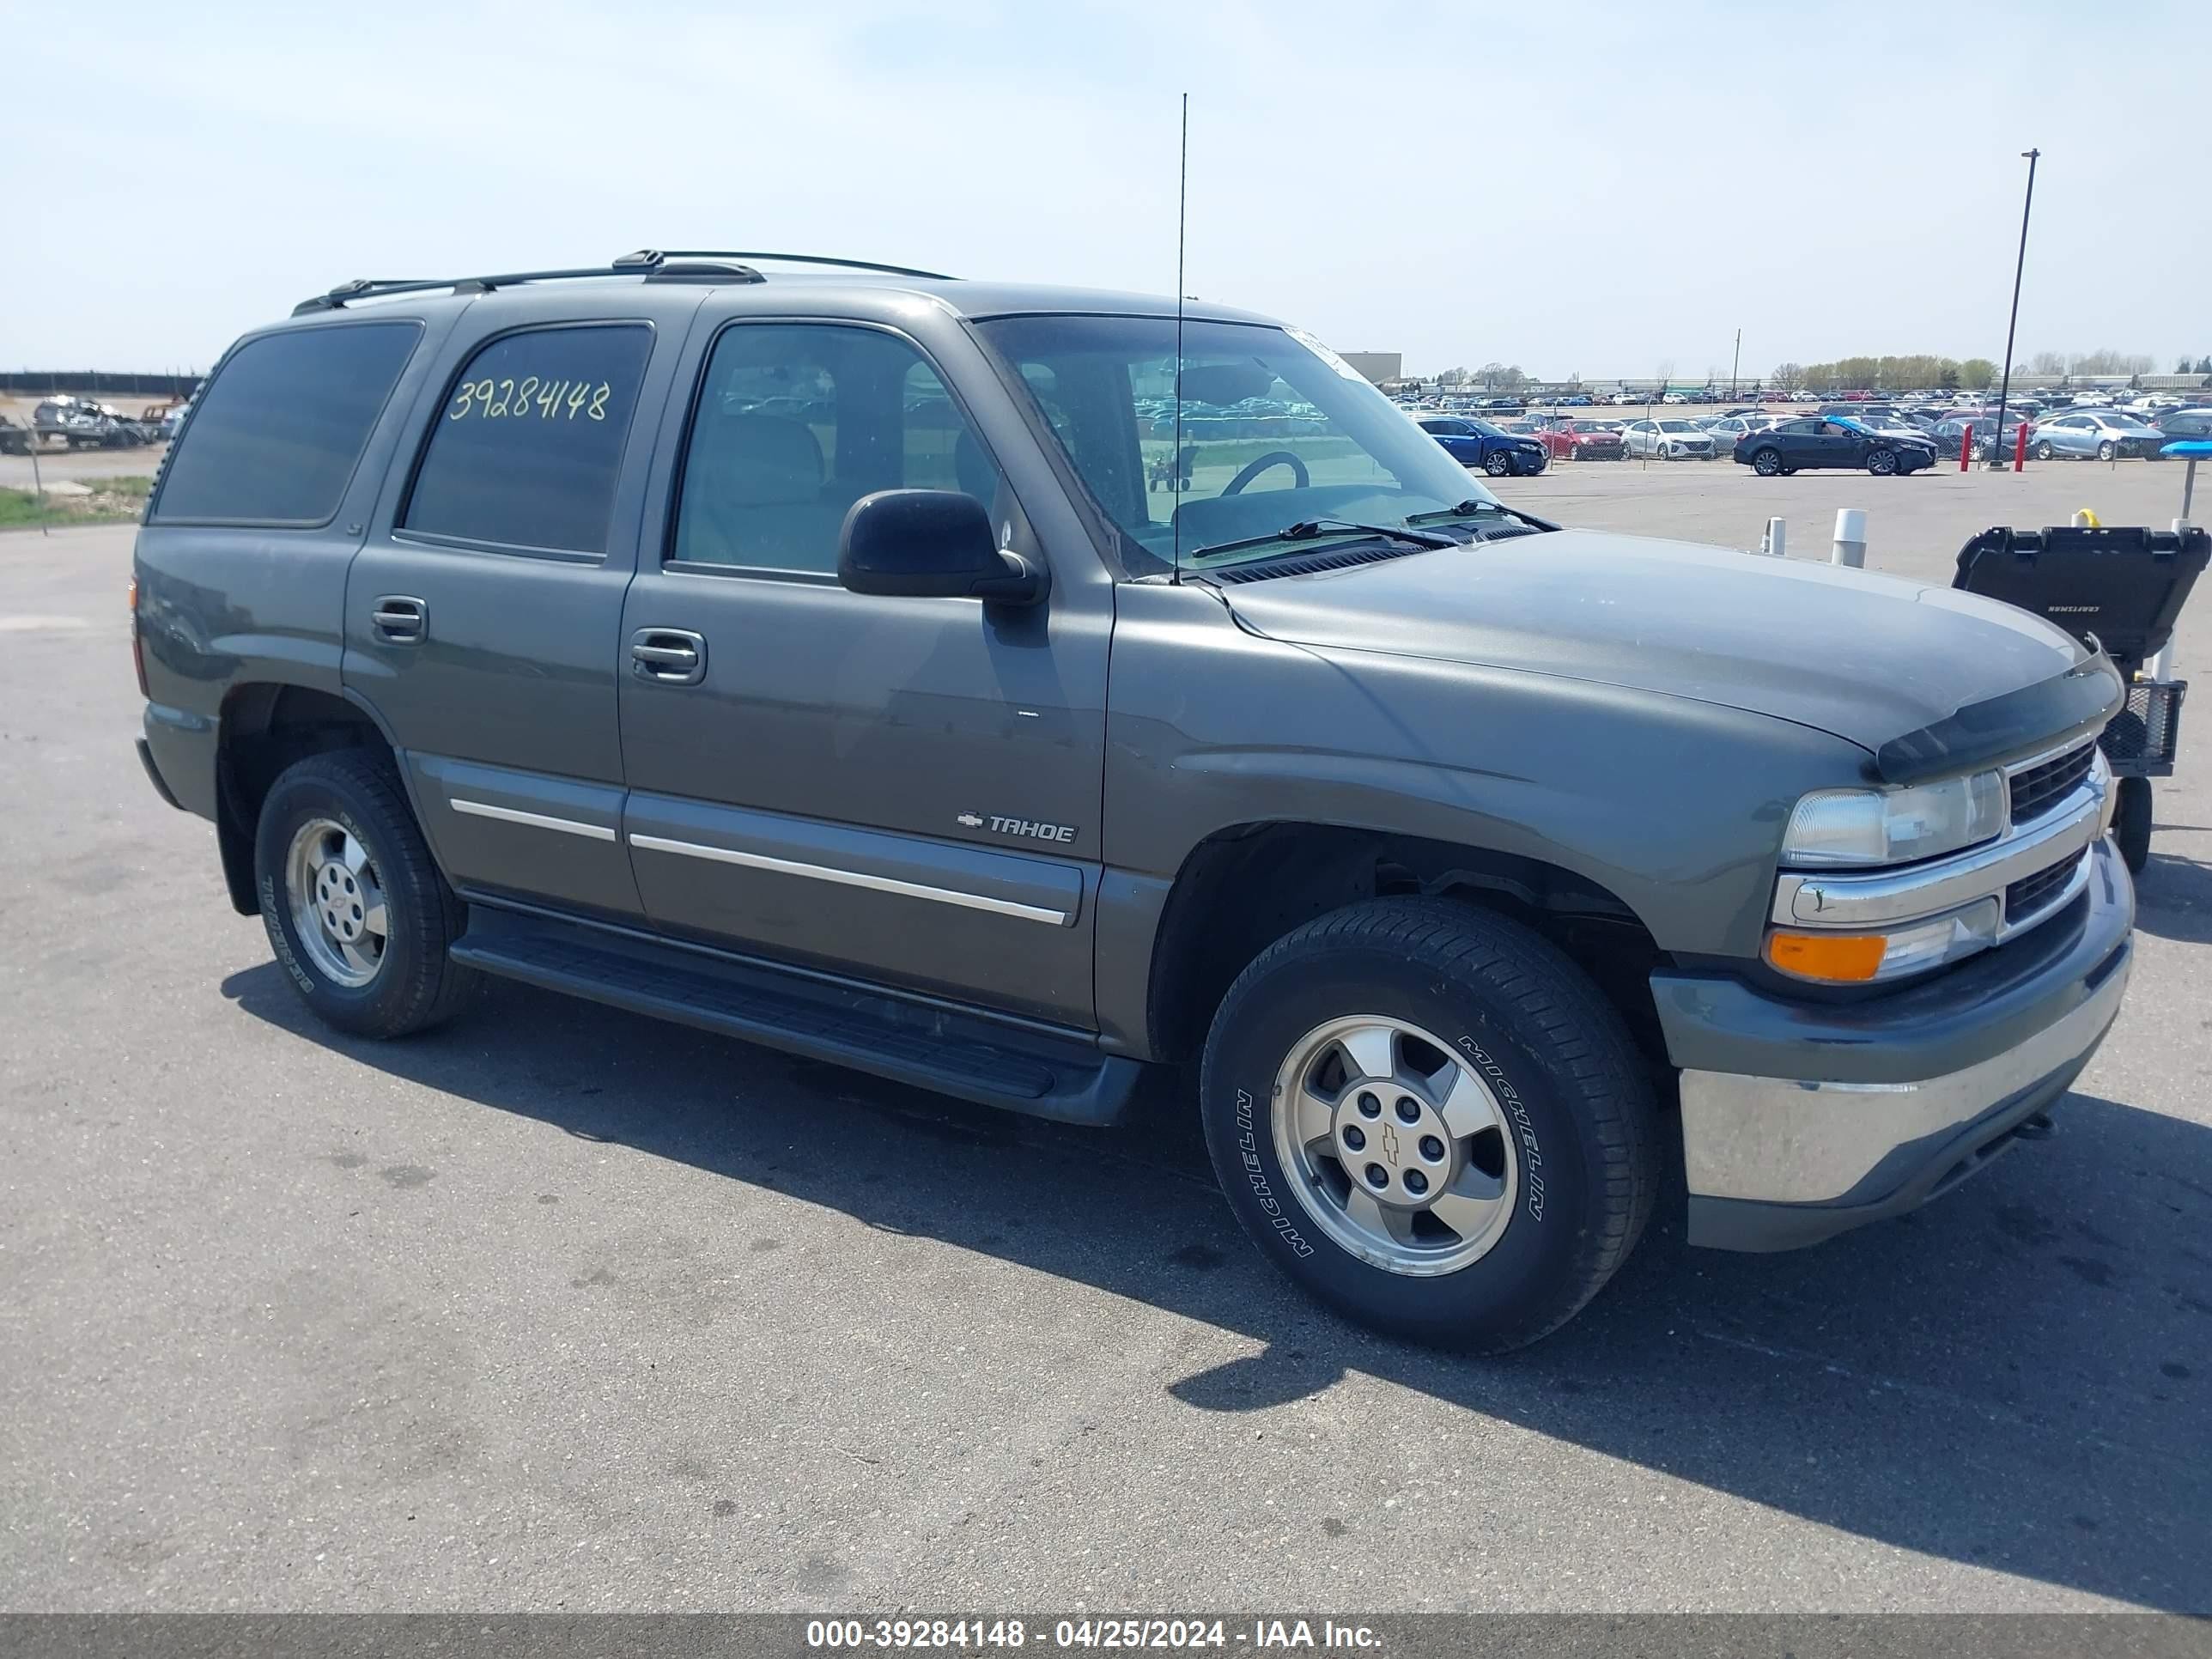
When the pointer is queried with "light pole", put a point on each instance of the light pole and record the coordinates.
(2004, 387)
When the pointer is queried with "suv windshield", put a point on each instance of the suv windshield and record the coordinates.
(1276, 431)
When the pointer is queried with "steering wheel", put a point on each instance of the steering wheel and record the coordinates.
(1253, 469)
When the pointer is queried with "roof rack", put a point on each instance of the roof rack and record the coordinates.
(654, 264)
(646, 256)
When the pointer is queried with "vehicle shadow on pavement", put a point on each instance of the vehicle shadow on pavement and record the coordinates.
(2019, 1378)
(2173, 898)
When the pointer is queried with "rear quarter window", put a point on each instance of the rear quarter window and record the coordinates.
(279, 432)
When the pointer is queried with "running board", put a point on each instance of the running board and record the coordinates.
(927, 1046)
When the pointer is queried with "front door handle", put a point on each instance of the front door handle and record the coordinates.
(401, 619)
(671, 656)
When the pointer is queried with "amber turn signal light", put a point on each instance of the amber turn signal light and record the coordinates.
(1841, 959)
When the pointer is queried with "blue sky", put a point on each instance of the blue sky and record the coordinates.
(1572, 187)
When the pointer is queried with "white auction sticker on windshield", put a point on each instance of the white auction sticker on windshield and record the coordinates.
(1312, 343)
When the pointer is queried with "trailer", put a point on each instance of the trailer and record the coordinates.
(2116, 589)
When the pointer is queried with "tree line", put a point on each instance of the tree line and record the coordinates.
(1904, 374)
(1909, 373)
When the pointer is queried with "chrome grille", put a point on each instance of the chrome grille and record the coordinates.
(2036, 789)
(2024, 898)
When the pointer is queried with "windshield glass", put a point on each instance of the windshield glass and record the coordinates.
(1273, 433)
(1676, 426)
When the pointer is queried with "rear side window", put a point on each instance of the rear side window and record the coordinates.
(279, 431)
(526, 449)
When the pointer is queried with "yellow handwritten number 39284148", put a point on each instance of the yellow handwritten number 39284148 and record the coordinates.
(545, 399)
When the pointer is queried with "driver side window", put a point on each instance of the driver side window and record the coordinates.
(796, 421)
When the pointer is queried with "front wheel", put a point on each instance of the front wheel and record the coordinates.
(1428, 1117)
(2107, 451)
(354, 909)
(1498, 464)
(1882, 462)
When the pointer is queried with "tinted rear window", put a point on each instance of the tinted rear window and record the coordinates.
(279, 432)
(527, 451)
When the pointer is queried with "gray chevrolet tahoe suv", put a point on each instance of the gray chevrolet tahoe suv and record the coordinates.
(991, 688)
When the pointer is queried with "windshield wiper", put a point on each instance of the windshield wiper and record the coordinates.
(1467, 509)
(1306, 529)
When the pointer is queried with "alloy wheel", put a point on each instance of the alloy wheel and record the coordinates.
(1396, 1147)
(337, 902)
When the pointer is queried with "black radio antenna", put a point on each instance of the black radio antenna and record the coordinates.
(1175, 459)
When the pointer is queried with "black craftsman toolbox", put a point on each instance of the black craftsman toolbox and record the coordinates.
(2117, 588)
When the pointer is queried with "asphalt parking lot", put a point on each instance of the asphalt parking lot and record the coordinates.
(562, 1309)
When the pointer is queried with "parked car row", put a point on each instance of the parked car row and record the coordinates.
(1859, 429)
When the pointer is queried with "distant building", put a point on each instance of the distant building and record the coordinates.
(1378, 365)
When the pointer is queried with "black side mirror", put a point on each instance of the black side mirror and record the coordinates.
(931, 544)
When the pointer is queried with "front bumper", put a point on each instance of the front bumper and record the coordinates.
(1800, 1120)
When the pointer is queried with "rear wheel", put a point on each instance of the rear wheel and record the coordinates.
(1767, 464)
(1429, 1118)
(2044, 451)
(354, 909)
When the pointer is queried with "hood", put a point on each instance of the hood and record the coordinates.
(1867, 657)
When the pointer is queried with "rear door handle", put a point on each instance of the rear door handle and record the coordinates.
(401, 619)
(671, 656)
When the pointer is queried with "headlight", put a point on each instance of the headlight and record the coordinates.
(1835, 827)
(1913, 947)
